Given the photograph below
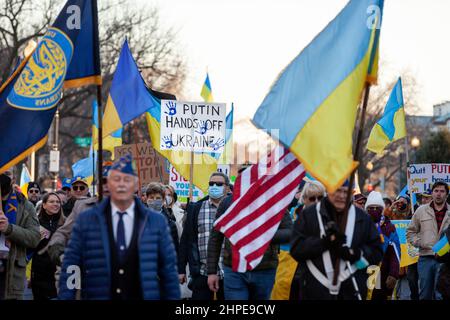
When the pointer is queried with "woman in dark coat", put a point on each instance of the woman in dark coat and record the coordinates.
(42, 269)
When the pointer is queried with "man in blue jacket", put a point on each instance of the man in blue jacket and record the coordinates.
(120, 250)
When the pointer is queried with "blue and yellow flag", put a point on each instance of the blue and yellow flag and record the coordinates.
(206, 92)
(226, 157)
(391, 127)
(129, 96)
(25, 179)
(109, 142)
(28, 99)
(314, 102)
(85, 68)
(204, 163)
(442, 247)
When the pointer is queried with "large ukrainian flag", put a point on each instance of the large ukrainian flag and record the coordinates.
(28, 99)
(110, 142)
(129, 96)
(314, 101)
(391, 127)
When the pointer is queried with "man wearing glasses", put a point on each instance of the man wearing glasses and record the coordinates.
(79, 190)
(194, 239)
(34, 193)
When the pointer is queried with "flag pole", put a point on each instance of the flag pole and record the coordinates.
(356, 157)
(137, 158)
(99, 103)
(407, 174)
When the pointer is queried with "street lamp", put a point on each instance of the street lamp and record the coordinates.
(415, 142)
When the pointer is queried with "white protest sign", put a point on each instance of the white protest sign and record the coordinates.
(224, 168)
(192, 126)
(423, 176)
(181, 186)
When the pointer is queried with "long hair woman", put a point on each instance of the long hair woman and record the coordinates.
(43, 269)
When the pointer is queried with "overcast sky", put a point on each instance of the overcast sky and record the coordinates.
(246, 43)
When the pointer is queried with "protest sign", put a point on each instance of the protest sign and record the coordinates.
(150, 166)
(181, 186)
(423, 176)
(190, 126)
(410, 254)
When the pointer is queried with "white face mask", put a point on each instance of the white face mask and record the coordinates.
(169, 200)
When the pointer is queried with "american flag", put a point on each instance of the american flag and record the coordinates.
(260, 198)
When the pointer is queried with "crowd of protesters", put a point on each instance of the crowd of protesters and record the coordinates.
(68, 245)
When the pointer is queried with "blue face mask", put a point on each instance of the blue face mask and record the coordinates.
(216, 192)
(155, 205)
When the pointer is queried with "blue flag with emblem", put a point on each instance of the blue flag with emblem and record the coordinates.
(28, 99)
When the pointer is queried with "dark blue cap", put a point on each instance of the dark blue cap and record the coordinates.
(124, 165)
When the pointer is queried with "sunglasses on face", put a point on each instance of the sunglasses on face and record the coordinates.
(33, 191)
(219, 184)
(78, 188)
(314, 198)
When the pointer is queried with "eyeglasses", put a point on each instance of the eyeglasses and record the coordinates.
(219, 184)
(33, 191)
(78, 188)
(314, 198)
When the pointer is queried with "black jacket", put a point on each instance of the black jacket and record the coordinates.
(167, 212)
(307, 244)
(188, 251)
(270, 258)
(42, 268)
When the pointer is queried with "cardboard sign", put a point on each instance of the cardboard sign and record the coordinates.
(150, 166)
(423, 176)
(191, 126)
(181, 186)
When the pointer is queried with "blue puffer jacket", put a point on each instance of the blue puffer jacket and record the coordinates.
(89, 249)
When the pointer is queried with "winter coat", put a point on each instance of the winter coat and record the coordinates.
(23, 235)
(59, 239)
(423, 230)
(270, 258)
(89, 249)
(307, 244)
(42, 268)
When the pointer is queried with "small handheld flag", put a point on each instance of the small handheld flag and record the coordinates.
(442, 246)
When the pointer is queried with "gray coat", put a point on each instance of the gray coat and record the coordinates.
(22, 235)
(61, 237)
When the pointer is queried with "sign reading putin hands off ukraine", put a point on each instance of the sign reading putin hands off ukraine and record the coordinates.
(190, 126)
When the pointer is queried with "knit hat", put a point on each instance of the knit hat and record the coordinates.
(33, 185)
(374, 199)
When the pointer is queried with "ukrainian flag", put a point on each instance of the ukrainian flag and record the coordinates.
(111, 141)
(204, 164)
(129, 96)
(28, 99)
(442, 246)
(206, 92)
(226, 157)
(391, 127)
(314, 102)
(25, 179)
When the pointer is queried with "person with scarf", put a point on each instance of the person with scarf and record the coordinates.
(19, 231)
(43, 269)
(390, 265)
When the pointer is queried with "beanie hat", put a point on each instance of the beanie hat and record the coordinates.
(375, 199)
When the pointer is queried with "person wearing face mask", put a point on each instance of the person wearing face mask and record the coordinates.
(194, 239)
(155, 195)
(318, 242)
(123, 249)
(390, 265)
(19, 231)
(43, 269)
(173, 206)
